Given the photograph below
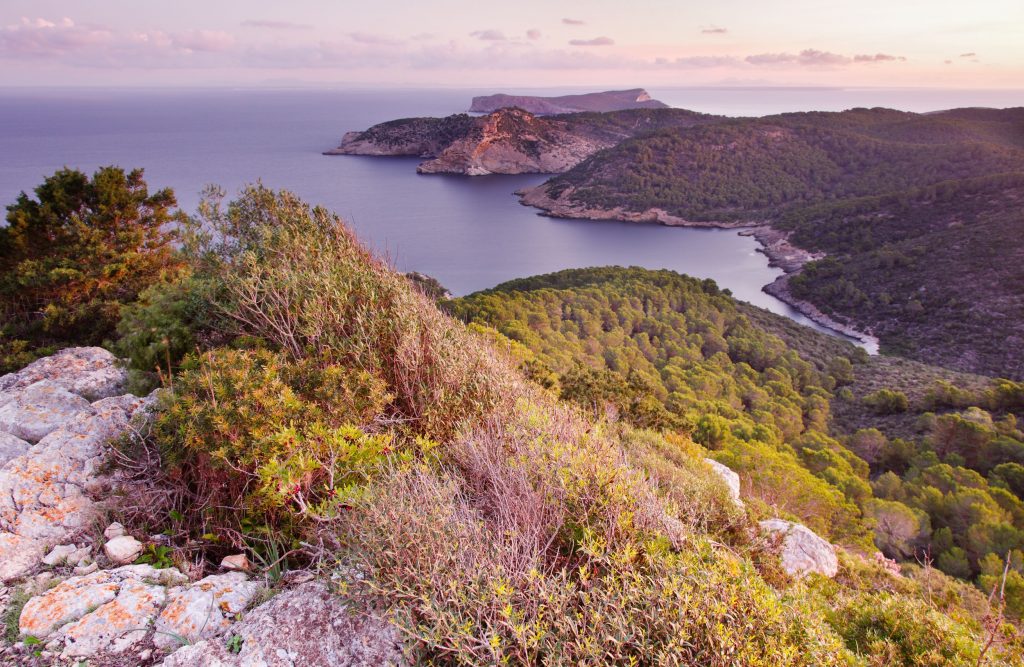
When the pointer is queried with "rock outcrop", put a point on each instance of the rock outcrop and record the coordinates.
(509, 140)
(729, 476)
(802, 551)
(609, 100)
(56, 417)
(304, 626)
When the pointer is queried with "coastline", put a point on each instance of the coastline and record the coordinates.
(774, 244)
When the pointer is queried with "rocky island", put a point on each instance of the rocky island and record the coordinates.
(509, 140)
(609, 100)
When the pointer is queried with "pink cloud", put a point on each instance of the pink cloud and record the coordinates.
(597, 41)
(210, 41)
(877, 58)
(714, 31)
(39, 38)
(275, 25)
(573, 22)
(371, 38)
(533, 33)
(489, 35)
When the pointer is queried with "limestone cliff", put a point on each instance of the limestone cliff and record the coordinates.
(510, 140)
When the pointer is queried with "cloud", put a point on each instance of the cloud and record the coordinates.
(40, 38)
(597, 41)
(877, 58)
(210, 41)
(816, 58)
(371, 38)
(972, 54)
(275, 25)
(948, 62)
(533, 33)
(573, 22)
(698, 62)
(714, 31)
(489, 35)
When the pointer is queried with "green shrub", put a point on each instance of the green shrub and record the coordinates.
(74, 256)
(258, 438)
(887, 401)
(897, 630)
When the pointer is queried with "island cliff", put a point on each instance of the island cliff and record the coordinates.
(510, 140)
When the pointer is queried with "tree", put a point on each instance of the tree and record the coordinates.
(73, 256)
(899, 530)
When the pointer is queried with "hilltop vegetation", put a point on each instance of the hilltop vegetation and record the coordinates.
(919, 215)
(673, 352)
(534, 491)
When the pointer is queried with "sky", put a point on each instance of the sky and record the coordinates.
(516, 43)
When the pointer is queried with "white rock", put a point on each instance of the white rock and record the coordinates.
(91, 372)
(113, 530)
(18, 555)
(86, 569)
(123, 549)
(236, 562)
(303, 626)
(59, 554)
(802, 550)
(105, 612)
(729, 476)
(204, 609)
(11, 447)
(40, 409)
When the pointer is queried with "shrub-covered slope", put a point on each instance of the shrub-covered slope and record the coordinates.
(919, 215)
(932, 477)
(326, 414)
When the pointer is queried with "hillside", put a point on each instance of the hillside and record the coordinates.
(610, 100)
(510, 140)
(915, 456)
(919, 216)
(336, 442)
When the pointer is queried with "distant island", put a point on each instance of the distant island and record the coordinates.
(609, 100)
(509, 140)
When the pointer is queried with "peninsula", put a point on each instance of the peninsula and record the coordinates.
(609, 100)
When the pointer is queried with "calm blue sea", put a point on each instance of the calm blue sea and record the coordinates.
(468, 233)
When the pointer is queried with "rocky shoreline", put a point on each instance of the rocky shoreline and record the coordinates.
(774, 244)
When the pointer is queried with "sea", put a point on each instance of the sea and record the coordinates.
(469, 233)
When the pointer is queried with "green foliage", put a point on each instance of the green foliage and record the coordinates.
(897, 630)
(660, 350)
(74, 256)
(887, 401)
(256, 435)
(19, 598)
(157, 555)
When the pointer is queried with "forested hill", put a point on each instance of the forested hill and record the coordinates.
(755, 168)
(919, 214)
(924, 463)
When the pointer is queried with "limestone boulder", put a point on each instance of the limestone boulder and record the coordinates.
(801, 550)
(47, 489)
(204, 609)
(105, 612)
(90, 372)
(123, 549)
(731, 479)
(11, 447)
(307, 625)
(40, 409)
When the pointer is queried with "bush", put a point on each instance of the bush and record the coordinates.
(74, 256)
(887, 401)
(898, 630)
(259, 440)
